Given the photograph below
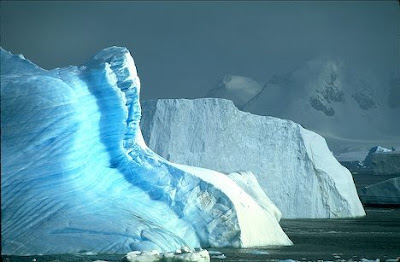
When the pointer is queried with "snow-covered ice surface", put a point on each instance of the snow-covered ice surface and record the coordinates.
(351, 109)
(293, 166)
(249, 183)
(76, 174)
(383, 193)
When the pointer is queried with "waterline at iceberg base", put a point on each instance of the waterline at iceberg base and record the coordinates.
(76, 174)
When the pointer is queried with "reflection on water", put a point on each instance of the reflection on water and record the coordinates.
(375, 236)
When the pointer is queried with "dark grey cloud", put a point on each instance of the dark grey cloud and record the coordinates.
(183, 48)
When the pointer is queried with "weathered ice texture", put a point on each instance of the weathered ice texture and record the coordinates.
(383, 193)
(293, 165)
(76, 174)
(383, 161)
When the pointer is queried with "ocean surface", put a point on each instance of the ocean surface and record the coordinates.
(376, 235)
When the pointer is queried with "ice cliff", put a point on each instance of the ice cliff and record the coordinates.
(383, 161)
(383, 193)
(76, 174)
(294, 166)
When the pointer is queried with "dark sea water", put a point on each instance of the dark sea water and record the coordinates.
(376, 235)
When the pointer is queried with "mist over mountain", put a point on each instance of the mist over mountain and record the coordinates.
(329, 65)
(352, 109)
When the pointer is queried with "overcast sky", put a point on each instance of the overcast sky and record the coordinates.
(182, 49)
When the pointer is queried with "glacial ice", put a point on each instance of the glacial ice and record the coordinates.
(293, 166)
(177, 256)
(383, 161)
(77, 176)
(383, 193)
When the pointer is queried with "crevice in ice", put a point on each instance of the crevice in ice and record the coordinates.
(77, 170)
(111, 77)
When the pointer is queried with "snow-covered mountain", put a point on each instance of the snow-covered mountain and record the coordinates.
(293, 166)
(76, 174)
(236, 88)
(353, 111)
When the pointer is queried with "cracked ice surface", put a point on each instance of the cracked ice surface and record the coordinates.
(77, 175)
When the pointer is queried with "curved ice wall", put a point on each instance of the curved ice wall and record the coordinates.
(76, 174)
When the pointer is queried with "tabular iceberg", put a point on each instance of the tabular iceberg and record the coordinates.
(293, 165)
(383, 193)
(77, 175)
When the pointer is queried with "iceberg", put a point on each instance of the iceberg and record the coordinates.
(383, 193)
(383, 161)
(293, 166)
(77, 175)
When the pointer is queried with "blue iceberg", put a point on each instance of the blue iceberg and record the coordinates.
(77, 175)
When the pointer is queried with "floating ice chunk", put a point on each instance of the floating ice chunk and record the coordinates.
(150, 256)
(384, 193)
(222, 256)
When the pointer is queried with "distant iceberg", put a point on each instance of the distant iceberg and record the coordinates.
(383, 193)
(293, 166)
(383, 161)
(78, 176)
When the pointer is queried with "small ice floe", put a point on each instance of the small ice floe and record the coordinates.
(370, 260)
(257, 252)
(214, 253)
(288, 260)
(222, 256)
(185, 254)
(100, 261)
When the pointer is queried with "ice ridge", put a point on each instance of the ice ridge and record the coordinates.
(77, 175)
